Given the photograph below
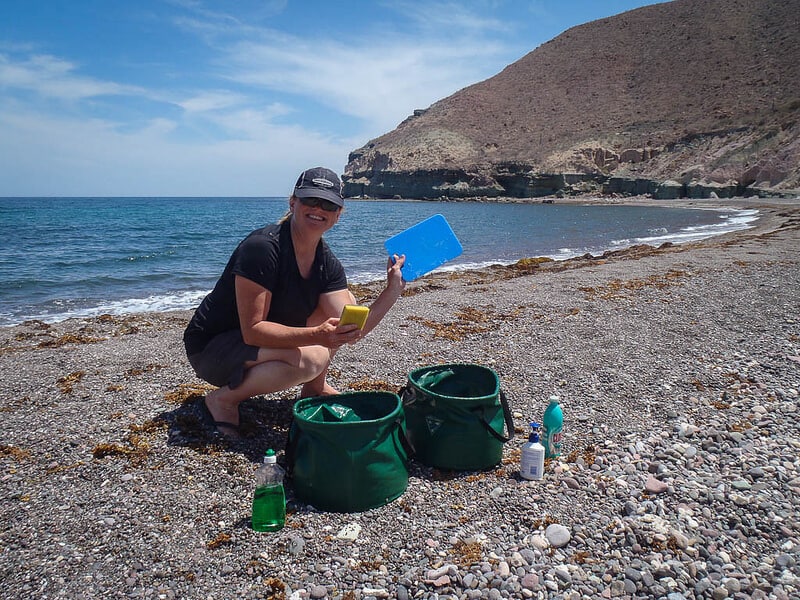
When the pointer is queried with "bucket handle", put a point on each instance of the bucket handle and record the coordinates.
(506, 416)
(405, 443)
(407, 395)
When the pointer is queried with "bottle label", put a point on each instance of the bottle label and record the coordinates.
(552, 442)
(532, 463)
(531, 469)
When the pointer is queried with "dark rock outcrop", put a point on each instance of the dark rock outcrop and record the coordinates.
(683, 98)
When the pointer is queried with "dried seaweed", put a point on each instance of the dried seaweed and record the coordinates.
(220, 540)
(470, 321)
(69, 338)
(107, 449)
(275, 589)
(467, 553)
(138, 448)
(527, 265)
(15, 403)
(37, 324)
(67, 383)
(188, 392)
(365, 384)
(618, 289)
(588, 454)
(150, 426)
(17, 454)
(450, 331)
(149, 368)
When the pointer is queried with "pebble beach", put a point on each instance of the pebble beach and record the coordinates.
(678, 369)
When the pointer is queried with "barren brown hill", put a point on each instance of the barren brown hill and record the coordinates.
(679, 98)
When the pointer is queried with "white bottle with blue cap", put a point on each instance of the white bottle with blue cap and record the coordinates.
(532, 463)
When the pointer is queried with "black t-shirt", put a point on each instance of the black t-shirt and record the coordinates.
(266, 257)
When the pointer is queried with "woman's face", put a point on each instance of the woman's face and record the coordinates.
(315, 214)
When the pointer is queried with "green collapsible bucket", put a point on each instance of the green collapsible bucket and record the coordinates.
(348, 453)
(455, 415)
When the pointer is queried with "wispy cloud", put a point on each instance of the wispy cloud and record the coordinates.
(250, 111)
(452, 18)
(76, 156)
(379, 85)
(378, 76)
(54, 77)
(206, 101)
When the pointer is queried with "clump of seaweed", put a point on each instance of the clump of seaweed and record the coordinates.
(276, 589)
(137, 449)
(513, 456)
(618, 289)
(67, 383)
(149, 426)
(112, 449)
(470, 321)
(69, 338)
(37, 324)
(467, 553)
(220, 540)
(527, 265)
(127, 325)
(588, 454)
(136, 371)
(365, 384)
(17, 454)
(543, 523)
(450, 331)
(188, 392)
(14, 403)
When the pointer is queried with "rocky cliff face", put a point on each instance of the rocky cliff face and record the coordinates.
(683, 98)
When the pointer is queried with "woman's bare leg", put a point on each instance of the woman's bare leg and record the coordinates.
(274, 370)
(319, 386)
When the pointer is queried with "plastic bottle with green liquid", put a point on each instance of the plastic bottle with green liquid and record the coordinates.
(269, 499)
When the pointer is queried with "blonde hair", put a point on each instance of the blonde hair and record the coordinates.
(288, 214)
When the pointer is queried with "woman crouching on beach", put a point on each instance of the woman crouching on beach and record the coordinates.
(271, 321)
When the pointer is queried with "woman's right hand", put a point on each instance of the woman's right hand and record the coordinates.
(332, 336)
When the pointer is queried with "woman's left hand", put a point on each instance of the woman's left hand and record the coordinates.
(394, 276)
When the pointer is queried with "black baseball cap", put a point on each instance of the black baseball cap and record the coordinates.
(319, 182)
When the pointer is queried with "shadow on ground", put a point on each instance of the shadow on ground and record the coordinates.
(264, 424)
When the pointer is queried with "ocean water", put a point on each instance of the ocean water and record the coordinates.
(77, 257)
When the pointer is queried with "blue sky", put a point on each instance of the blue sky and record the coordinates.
(236, 97)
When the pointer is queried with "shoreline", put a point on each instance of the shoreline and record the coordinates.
(129, 306)
(678, 369)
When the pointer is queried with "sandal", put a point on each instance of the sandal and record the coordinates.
(215, 425)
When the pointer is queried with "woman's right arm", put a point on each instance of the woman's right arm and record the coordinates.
(253, 302)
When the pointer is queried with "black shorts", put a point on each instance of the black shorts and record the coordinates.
(222, 361)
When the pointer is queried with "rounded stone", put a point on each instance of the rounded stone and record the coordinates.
(557, 535)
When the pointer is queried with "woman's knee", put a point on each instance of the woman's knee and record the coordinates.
(314, 360)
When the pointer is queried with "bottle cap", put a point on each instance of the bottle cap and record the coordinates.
(269, 457)
(554, 398)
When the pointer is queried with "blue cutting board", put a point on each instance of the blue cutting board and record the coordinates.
(427, 245)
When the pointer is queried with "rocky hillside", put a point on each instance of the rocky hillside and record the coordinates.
(687, 97)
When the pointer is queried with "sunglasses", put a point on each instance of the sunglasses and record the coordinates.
(326, 205)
